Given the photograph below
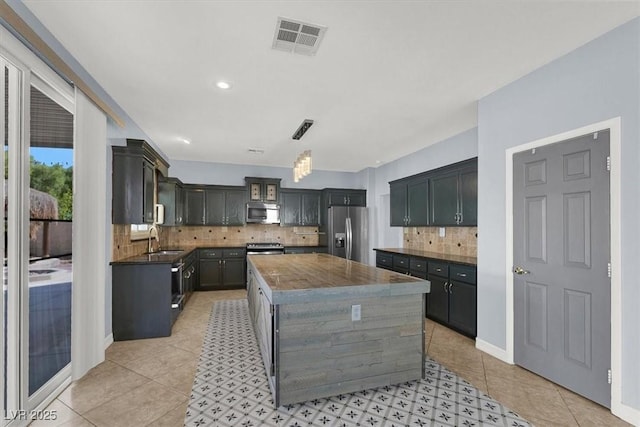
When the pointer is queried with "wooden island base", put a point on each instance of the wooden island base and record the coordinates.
(304, 310)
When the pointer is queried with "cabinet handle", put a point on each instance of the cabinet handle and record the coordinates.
(445, 287)
(438, 270)
(461, 274)
(224, 262)
(450, 287)
(348, 200)
(219, 262)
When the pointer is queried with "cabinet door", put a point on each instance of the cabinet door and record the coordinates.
(356, 198)
(290, 208)
(398, 202)
(418, 203)
(148, 190)
(194, 206)
(210, 274)
(462, 307)
(438, 301)
(310, 208)
(214, 207)
(469, 197)
(234, 206)
(444, 199)
(233, 273)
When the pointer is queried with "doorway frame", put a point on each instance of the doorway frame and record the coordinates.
(614, 125)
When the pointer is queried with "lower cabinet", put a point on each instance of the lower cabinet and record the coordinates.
(222, 268)
(453, 297)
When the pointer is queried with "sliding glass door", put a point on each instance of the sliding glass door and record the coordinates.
(37, 161)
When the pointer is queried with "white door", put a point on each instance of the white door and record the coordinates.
(562, 295)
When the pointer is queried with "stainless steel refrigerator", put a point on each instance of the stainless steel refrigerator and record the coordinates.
(346, 233)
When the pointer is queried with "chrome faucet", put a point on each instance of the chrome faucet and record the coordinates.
(153, 230)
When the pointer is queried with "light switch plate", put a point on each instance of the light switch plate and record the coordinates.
(356, 312)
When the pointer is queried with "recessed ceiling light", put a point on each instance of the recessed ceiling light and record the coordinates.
(223, 85)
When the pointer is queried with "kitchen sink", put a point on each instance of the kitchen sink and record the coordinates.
(166, 252)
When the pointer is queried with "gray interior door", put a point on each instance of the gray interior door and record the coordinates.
(561, 255)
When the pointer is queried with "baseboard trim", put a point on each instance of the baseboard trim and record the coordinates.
(625, 412)
(493, 350)
(108, 340)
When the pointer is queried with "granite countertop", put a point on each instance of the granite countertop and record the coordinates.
(155, 258)
(459, 259)
(308, 277)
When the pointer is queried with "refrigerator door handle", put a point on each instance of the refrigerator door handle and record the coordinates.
(349, 238)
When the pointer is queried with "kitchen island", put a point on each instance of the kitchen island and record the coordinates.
(327, 326)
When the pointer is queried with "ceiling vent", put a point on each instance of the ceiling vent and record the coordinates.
(298, 37)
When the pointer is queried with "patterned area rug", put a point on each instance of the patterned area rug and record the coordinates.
(231, 389)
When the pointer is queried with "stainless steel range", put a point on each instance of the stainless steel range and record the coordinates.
(268, 248)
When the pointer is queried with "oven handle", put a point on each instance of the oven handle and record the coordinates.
(177, 268)
(266, 253)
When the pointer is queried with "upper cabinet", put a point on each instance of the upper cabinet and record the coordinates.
(171, 195)
(454, 195)
(215, 205)
(263, 189)
(344, 197)
(447, 196)
(410, 202)
(134, 182)
(300, 207)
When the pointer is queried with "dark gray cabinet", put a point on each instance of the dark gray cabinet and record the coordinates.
(171, 196)
(214, 205)
(409, 203)
(453, 298)
(447, 196)
(133, 182)
(194, 206)
(221, 268)
(454, 195)
(263, 189)
(300, 207)
(345, 197)
(142, 301)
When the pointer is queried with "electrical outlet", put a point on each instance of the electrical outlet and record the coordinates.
(442, 232)
(356, 312)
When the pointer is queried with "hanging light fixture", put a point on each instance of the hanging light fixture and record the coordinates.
(302, 166)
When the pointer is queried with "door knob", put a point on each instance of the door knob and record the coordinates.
(520, 270)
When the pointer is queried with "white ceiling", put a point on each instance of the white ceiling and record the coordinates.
(390, 77)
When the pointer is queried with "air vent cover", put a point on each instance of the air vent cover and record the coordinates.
(298, 37)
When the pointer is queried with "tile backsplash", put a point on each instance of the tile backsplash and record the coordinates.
(456, 241)
(209, 236)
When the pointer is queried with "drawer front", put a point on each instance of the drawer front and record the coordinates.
(438, 268)
(418, 264)
(210, 253)
(401, 262)
(384, 260)
(234, 253)
(463, 273)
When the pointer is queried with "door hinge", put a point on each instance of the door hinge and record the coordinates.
(609, 376)
(595, 135)
(609, 270)
(609, 163)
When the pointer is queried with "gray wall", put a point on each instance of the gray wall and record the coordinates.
(596, 82)
(190, 172)
(454, 149)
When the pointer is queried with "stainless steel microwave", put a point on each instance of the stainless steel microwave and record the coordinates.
(263, 213)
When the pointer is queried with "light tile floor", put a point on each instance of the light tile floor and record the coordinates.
(148, 382)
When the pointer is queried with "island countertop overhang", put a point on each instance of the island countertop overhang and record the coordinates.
(323, 277)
